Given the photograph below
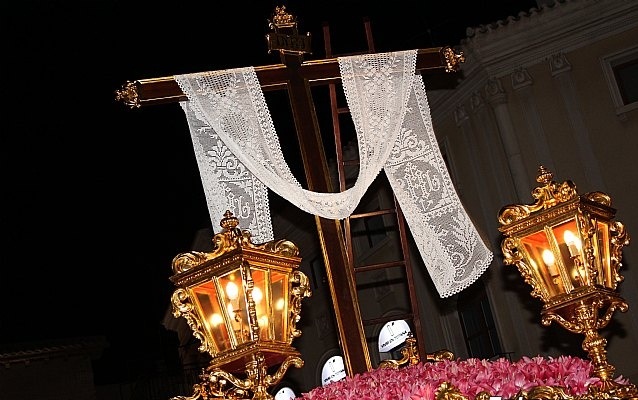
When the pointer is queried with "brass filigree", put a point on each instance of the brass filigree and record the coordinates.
(284, 35)
(547, 196)
(128, 95)
(453, 60)
(409, 353)
(440, 355)
(183, 307)
(619, 238)
(219, 384)
(282, 19)
(299, 292)
(241, 337)
(568, 248)
(447, 391)
(229, 240)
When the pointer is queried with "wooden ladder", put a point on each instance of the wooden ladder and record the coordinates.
(368, 221)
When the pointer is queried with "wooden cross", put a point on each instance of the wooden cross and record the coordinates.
(297, 76)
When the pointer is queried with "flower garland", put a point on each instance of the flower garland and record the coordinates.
(471, 376)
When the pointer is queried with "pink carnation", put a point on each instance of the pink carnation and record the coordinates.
(471, 376)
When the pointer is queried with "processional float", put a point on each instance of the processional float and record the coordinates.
(242, 300)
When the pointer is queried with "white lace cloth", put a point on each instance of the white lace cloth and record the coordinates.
(239, 156)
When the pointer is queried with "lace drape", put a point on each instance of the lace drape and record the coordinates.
(234, 134)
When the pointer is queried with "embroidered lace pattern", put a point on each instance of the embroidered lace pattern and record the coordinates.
(227, 183)
(228, 115)
(450, 246)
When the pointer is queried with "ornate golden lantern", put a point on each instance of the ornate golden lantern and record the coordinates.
(569, 249)
(242, 301)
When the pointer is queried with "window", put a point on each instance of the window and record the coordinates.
(478, 325)
(626, 75)
(621, 73)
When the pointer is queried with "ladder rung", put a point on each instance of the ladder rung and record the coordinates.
(348, 163)
(342, 166)
(387, 318)
(385, 211)
(372, 267)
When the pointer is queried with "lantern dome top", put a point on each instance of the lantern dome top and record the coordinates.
(548, 195)
(230, 240)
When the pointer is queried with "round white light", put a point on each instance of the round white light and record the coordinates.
(285, 393)
(333, 370)
(257, 295)
(216, 319)
(232, 291)
(393, 334)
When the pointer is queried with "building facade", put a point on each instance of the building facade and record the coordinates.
(554, 86)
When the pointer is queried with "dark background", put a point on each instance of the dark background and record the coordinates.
(98, 198)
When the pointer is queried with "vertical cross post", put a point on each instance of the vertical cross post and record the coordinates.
(339, 271)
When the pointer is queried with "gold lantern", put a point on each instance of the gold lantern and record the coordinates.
(242, 301)
(568, 248)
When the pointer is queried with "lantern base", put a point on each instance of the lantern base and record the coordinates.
(219, 384)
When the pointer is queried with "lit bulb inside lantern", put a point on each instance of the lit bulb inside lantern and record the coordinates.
(548, 258)
(573, 243)
(279, 304)
(216, 319)
(257, 295)
(263, 321)
(232, 291)
(550, 261)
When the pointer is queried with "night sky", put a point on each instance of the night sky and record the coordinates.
(98, 198)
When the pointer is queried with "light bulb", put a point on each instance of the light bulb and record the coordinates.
(573, 243)
(550, 261)
(216, 319)
(257, 295)
(232, 291)
(279, 304)
(548, 258)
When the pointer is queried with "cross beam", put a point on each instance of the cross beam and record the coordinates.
(165, 90)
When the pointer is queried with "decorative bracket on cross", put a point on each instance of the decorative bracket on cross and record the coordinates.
(285, 36)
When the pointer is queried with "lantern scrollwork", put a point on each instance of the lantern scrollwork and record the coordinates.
(242, 301)
(568, 248)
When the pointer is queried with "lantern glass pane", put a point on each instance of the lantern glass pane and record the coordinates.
(602, 256)
(212, 315)
(542, 262)
(280, 305)
(260, 297)
(570, 248)
(234, 299)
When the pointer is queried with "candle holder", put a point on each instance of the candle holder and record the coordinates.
(242, 301)
(568, 248)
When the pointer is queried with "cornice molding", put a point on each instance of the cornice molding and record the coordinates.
(531, 37)
(497, 50)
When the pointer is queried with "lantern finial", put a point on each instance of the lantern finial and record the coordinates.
(545, 176)
(229, 222)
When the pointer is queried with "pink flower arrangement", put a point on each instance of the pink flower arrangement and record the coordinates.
(472, 376)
